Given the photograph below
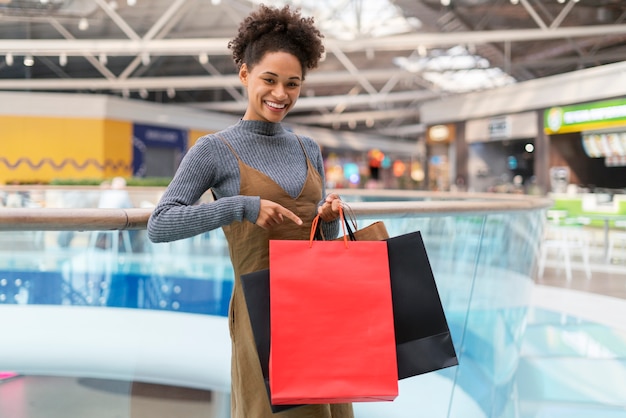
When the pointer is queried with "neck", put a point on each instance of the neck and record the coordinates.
(262, 127)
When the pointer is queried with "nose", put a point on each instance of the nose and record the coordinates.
(279, 92)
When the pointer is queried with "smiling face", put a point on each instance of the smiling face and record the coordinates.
(273, 86)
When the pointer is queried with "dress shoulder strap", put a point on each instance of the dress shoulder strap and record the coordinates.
(229, 146)
(303, 149)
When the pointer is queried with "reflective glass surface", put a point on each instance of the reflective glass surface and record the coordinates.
(513, 361)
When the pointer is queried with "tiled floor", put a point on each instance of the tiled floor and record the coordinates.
(573, 360)
(59, 397)
(607, 277)
(65, 397)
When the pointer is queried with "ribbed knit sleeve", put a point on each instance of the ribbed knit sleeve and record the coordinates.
(177, 215)
(212, 165)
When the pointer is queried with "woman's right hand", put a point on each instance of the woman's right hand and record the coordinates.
(272, 214)
(329, 211)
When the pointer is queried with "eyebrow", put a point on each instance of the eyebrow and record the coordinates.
(276, 75)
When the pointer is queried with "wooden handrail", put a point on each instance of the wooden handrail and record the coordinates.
(83, 219)
(441, 204)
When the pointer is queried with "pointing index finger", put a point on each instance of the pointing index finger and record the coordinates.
(289, 214)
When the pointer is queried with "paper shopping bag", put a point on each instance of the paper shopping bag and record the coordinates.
(422, 345)
(374, 232)
(256, 288)
(377, 231)
(423, 339)
(331, 323)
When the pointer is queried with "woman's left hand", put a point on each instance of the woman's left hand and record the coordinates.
(329, 211)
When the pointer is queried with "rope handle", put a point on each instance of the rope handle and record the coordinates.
(344, 225)
(349, 223)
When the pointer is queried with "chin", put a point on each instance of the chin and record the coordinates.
(276, 118)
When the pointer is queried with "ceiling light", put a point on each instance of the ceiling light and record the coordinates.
(171, 93)
(9, 59)
(203, 58)
(145, 58)
(29, 61)
(514, 1)
(131, 3)
(63, 59)
(83, 24)
(103, 58)
(216, 2)
(143, 93)
(445, 2)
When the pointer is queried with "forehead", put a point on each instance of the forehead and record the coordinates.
(280, 63)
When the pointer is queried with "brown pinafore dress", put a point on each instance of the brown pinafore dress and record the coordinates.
(249, 252)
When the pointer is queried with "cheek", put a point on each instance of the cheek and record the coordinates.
(260, 89)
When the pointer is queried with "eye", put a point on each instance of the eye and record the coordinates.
(269, 80)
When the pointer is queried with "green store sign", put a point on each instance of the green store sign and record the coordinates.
(578, 118)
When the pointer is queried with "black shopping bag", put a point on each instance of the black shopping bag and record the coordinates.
(256, 288)
(423, 340)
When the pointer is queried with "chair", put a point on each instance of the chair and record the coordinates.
(556, 215)
(565, 240)
(616, 238)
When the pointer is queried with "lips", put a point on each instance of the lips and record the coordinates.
(277, 106)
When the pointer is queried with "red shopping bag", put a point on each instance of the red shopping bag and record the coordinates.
(331, 322)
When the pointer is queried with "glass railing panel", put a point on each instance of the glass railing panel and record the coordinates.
(504, 247)
(571, 363)
(482, 264)
(116, 269)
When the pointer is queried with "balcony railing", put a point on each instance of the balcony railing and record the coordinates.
(156, 312)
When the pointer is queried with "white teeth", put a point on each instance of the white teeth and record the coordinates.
(276, 105)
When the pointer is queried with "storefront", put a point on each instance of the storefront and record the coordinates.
(441, 153)
(358, 160)
(501, 152)
(588, 142)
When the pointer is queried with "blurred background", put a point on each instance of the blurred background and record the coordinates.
(478, 95)
(497, 128)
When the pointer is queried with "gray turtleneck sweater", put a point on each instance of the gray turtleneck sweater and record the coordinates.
(210, 164)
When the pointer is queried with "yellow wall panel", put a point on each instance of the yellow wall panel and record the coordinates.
(42, 149)
(118, 149)
(194, 135)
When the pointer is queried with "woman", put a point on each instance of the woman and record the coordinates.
(267, 182)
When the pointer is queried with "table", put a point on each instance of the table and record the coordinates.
(606, 218)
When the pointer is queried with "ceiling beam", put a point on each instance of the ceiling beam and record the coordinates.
(218, 46)
(608, 57)
(184, 83)
(332, 118)
(306, 104)
(404, 130)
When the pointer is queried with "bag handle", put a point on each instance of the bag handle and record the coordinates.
(344, 226)
(352, 217)
(348, 222)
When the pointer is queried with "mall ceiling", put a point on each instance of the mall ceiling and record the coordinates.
(384, 57)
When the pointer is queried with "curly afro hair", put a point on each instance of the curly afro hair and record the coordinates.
(272, 30)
